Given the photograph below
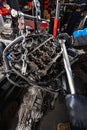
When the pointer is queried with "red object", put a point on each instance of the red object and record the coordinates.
(4, 1)
(31, 23)
(46, 5)
(4, 11)
(0, 11)
(30, 4)
(43, 25)
(19, 24)
(56, 25)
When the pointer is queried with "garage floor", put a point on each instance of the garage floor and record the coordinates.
(54, 117)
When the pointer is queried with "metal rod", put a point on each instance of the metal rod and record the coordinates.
(67, 66)
(82, 23)
(33, 17)
(57, 9)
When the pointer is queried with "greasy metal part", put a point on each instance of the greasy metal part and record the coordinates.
(30, 110)
(64, 82)
(37, 7)
(22, 24)
(32, 17)
(37, 60)
(24, 65)
(8, 47)
(32, 59)
(44, 72)
(43, 43)
(6, 42)
(67, 66)
(43, 57)
(37, 14)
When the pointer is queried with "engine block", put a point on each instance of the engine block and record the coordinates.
(35, 58)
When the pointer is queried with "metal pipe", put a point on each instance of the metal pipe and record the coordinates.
(57, 9)
(82, 23)
(20, 38)
(67, 66)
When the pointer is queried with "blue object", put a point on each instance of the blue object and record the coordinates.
(8, 57)
(80, 33)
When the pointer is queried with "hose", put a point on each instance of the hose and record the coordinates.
(5, 52)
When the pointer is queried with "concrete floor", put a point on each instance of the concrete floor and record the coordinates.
(54, 117)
